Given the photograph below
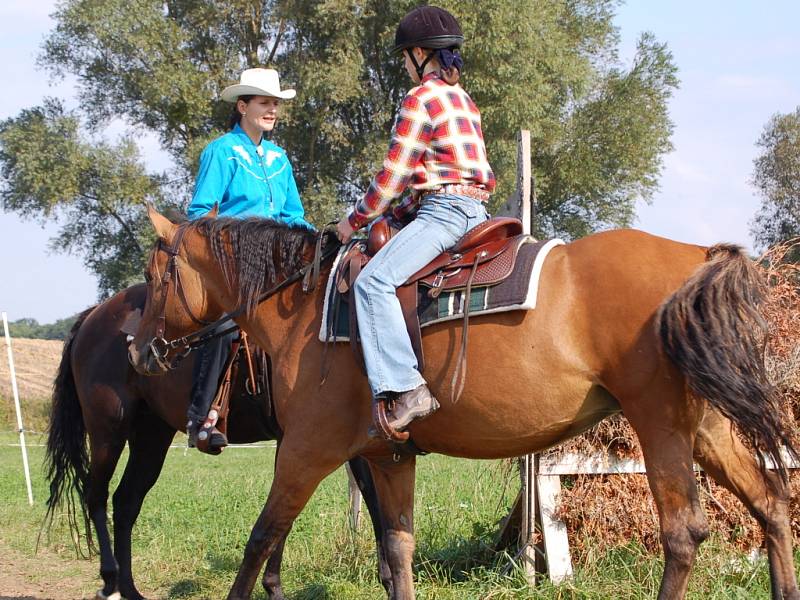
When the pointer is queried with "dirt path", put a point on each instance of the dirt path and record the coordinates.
(45, 576)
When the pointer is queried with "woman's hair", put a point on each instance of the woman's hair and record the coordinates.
(236, 116)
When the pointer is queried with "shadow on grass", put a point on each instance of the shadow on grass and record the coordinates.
(228, 563)
(224, 562)
(184, 588)
(461, 559)
(315, 591)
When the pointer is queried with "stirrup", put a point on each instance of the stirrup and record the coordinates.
(385, 430)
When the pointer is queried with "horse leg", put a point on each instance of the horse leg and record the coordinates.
(298, 472)
(394, 485)
(360, 469)
(272, 573)
(363, 476)
(666, 426)
(104, 454)
(148, 444)
(723, 456)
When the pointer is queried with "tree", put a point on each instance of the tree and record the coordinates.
(30, 328)
(97, 188)
(599, 130)
(776, 174)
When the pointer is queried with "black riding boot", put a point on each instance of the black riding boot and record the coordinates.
(207, 372)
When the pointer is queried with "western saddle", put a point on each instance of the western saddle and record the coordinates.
(484, 256)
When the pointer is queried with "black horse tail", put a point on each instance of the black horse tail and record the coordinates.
(713, 331)
(66, 459)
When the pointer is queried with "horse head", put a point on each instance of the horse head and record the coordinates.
(179, 297)
(203, 269)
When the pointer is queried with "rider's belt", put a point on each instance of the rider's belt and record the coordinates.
(458, 189)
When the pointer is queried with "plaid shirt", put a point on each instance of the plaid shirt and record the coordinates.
(437, 140)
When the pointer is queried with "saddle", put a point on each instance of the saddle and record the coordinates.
(255, 376)
(484, 256)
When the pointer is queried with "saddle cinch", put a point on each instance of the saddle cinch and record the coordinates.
(484, 256)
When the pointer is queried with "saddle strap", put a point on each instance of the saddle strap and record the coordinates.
(355, 342)
(460, 373)
(222, 400)
(263, 374)
(407, 295)
(220, 407)
(252, 382)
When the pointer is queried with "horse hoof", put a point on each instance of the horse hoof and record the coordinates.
(101, 596)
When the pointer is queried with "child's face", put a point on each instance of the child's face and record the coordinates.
(410, 68)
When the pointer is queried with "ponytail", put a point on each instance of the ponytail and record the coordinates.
(450, 63)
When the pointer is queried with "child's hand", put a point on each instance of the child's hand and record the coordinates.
(344, 231)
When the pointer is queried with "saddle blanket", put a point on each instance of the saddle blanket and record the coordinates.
(517, 292)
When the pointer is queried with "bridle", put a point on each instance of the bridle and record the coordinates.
(160, 347)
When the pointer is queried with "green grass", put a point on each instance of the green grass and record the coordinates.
(195, 522)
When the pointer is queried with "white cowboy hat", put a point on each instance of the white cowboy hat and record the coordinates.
(257, 82)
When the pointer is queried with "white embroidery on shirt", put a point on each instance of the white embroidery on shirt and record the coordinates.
(244, 166)
(244, 154)
(271, 156)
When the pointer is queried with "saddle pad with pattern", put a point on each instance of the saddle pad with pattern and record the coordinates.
(517, 292)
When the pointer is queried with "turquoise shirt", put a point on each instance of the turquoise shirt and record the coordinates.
(246, 180)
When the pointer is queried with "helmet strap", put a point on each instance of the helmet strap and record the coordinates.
(420, 68)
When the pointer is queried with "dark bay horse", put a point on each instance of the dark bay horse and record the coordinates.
(668, 333)
(98, 394)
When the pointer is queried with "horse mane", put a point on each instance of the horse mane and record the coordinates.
(253, 253)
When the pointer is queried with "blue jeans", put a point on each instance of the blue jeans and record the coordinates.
(441, 220)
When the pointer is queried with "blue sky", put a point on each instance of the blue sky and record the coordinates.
(738, 65)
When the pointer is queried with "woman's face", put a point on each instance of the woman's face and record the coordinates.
(260, 114)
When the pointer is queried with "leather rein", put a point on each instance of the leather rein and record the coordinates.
(160, 347)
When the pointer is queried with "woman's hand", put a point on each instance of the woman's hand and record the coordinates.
(344, 231)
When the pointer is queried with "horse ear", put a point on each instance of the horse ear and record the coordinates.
(163, 226)
(214, 212)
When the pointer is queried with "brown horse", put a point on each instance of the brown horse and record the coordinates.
(97, 394)
(667, 333)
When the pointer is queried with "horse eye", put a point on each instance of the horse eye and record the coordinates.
(147, 277)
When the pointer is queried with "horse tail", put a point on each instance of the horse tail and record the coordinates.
(713, 331)
(66, 457)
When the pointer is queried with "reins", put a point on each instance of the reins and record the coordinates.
(160, 346)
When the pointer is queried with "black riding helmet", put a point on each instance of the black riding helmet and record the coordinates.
(427, 27)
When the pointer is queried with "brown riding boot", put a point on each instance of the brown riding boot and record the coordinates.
(410, 405)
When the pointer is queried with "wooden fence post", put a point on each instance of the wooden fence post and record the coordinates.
(520, 204)
(521, 523)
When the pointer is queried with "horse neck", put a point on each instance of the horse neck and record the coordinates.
(200, 257)
(289, 320)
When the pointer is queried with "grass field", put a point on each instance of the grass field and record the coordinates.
(194, 524)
